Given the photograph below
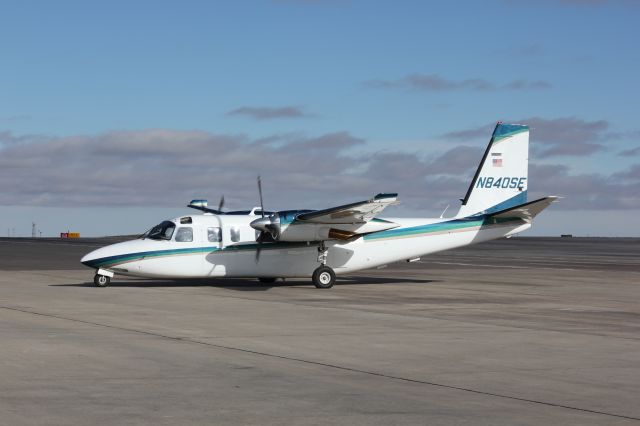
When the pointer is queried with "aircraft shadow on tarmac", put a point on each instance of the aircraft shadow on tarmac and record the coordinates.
(249, 284)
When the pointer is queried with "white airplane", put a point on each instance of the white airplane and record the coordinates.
(324, 243)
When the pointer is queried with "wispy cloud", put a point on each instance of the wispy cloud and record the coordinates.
(584, 2)
(564, 136)
(311, 2)
(525, 50)
(630, 152)
(14, 118)
(579, 3)
(437, 83)
(631, 174)
(270, 113)
(584, 191)
(593, 2)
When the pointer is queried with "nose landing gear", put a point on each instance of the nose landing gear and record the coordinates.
(101, 280)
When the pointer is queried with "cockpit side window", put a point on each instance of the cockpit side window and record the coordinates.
(163, 231)
(184, 234)
(214, 235)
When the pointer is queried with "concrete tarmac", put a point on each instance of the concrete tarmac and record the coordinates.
(525, 331)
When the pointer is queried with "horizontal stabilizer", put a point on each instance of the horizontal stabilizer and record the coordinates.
(526, 211)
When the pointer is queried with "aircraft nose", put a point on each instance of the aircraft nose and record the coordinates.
(89, 258)
(96, 257)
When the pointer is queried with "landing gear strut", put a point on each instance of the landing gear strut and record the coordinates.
(323, 276)
(101, 280)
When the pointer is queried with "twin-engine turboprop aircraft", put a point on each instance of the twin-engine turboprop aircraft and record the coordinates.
(322, 243)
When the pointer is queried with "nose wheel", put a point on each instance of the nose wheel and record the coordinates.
(101, 280)
(323, 277)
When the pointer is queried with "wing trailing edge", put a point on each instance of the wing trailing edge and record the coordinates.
(360, 212)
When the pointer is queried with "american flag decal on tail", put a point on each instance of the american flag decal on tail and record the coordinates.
(497, 159)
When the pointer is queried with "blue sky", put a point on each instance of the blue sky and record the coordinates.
(374, 80)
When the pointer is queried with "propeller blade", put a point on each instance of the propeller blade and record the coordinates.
(257, 259)
(260, 192)
(221, 204)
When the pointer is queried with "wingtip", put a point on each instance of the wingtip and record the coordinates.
(385, 195)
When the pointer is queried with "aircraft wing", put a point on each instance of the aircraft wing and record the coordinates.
(359, 212)
(526, 211)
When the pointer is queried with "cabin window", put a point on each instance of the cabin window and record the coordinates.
(214, 235)
(184, 234)
(235, 234)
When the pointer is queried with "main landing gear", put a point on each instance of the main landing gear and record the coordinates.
(323, 276)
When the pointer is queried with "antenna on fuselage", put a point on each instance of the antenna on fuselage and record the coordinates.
(444, 211)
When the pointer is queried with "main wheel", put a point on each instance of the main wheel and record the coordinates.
(323, 277)
(101, 280)
(267, 280)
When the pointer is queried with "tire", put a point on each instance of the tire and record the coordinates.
(101, 280)
(323, 277)
(267, 280)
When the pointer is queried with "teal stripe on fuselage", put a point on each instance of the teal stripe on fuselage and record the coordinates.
(131, 257)
(426, 229)
(450, 225)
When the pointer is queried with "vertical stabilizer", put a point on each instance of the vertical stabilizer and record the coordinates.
(500, 181)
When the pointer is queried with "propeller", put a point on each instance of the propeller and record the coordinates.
(269, 227)
(221, 203)
(260, 192)
(259, 239)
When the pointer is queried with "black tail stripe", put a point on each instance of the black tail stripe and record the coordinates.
(479, 169)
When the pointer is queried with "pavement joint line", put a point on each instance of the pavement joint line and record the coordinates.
(334, 366)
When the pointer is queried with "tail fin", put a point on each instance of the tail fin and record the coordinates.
(500, 181)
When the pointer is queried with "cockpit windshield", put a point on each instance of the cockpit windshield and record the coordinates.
(164, 231)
